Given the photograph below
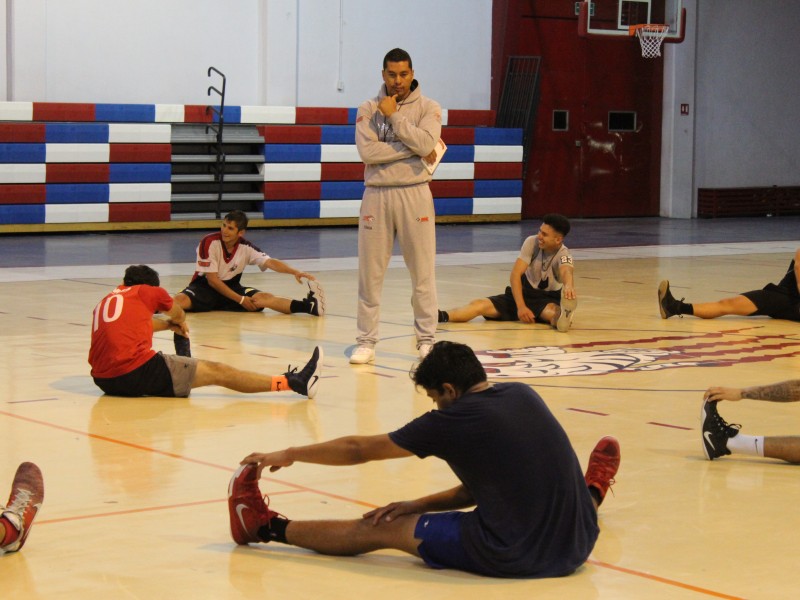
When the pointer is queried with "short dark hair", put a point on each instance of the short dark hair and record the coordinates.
(239, 218)
(559, 223)
(397, 55)
(141, 275)
(449, 362)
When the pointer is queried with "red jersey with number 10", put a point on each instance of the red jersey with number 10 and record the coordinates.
(122, 329)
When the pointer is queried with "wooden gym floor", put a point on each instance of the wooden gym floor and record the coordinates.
(135, 503)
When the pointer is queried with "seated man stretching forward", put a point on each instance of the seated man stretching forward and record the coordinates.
(721, 439)
(221, 259)
(16, 519)
(124, 363)
(781, 301)
(535, 513)
(542, 287)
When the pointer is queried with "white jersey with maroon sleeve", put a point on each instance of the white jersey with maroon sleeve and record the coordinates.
(544, 272)
(213, 257)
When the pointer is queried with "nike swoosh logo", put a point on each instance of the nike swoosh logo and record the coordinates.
(707, 436)
(239, 509)
(312, 382)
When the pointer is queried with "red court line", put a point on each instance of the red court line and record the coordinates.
(298, 488)
(670, 426)
(588, 412)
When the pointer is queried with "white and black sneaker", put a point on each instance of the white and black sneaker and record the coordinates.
(315, 299)
(568, 306)
(306, 381)
(716, 432)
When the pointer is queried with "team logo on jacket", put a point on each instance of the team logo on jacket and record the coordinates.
(656, 353)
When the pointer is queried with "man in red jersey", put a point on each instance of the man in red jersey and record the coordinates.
(125, 364)
(221, 259)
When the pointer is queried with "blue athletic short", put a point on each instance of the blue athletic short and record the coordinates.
(441, 546)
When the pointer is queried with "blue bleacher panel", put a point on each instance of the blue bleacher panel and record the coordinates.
(459, 154)
(139, 173)
(76, 133)
(338, 134)
(292, 153)
(11, 214)
(492, 136)
(125, 113)
(497, 188)
(292, 209)
(23, 153)
(342, 190)
(77, 193)
(453, 206)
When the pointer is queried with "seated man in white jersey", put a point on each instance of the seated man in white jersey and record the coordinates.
(541, 284)
(221, 259)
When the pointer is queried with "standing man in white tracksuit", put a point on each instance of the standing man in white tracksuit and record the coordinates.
(395, 132)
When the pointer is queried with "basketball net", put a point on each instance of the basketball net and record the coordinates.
(650, 37)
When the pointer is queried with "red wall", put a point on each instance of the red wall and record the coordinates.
(586, 171)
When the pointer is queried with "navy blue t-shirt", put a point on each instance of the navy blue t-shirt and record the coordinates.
(534, 516)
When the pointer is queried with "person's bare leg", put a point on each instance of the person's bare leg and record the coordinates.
(550, 313)
(347, 538)
(738, 305)
(214, 373)
(783, 447)
(481, 307)
(276, 303)
(183, 301)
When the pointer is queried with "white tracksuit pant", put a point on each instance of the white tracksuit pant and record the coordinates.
(405, 212)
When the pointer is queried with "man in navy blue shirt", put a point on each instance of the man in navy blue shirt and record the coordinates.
(535, 512)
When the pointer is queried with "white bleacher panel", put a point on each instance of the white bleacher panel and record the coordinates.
(139, 192)
(291, 171)
(454, 171)
(329, 209)
(170, 113)
(139, 133)
(496, 206)
(268, 114)
(76, 213)
(498, 153)
(23, 173)
(77, 153)
(16, 111)
(339, 153)
(444, 117)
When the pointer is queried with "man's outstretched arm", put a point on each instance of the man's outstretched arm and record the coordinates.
(785, 391)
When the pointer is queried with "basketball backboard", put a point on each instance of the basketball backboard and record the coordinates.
(614, 18)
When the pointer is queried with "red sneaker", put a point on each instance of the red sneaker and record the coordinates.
(603, 465)
(246, 506)
(27, 493)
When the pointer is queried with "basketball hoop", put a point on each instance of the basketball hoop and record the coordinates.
(650, 37)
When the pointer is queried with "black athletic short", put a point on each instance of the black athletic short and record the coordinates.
(164, 375)
(205, 298)
(775, 301)
(534, 299)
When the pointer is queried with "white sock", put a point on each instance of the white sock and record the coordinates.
(747, 444)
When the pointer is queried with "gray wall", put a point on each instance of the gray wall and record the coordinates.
(274, 52)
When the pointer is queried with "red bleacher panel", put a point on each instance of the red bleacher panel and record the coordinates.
(194, 113)
(140, 153)
(146, 211)
(81, 172)
(321, 116)
(498, 170)
(62, 111)
(22, 132)
(23, 194)
(475, 118)
(342, 172)
(290, 134)
(458, 135)
(294, 190)
(451, 189)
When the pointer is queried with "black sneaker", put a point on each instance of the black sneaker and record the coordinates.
(315, 300)
(305, 382)
(667, 304)
(716, 432)
(182, 345)
(443, 317)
